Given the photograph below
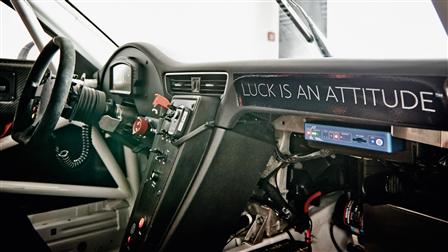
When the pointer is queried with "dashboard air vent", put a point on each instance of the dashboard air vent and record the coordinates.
(196, 83)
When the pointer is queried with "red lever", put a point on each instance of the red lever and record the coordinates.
(162, 101)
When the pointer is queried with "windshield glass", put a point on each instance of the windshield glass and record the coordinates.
(217, 30)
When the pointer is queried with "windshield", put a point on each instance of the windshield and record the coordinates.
(217, 30)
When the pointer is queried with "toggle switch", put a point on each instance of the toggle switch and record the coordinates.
(161, 101)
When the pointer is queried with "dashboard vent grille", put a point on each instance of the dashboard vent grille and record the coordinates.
(196, 83)
(180, 84)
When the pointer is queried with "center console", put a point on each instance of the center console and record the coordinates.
(199, 177)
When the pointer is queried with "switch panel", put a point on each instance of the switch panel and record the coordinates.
(159, 197)
(7, 86)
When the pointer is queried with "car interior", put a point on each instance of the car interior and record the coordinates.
(147, 153)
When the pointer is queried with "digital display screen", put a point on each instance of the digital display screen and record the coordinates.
(121, 79)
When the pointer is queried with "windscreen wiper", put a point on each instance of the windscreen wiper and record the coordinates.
(309, 31)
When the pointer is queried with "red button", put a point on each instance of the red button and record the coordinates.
(161, 101)
(141, 223)
(140, 126)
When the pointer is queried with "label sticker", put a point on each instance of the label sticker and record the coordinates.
(412, 101)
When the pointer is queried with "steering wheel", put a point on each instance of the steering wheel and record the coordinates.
(36, 116)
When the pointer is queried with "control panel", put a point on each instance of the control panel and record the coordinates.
(181, 202)
(138, 131)
(167, 161)
(353, 137)
(162, 158)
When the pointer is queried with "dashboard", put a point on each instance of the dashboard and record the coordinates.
(205, 129)
(393, 92)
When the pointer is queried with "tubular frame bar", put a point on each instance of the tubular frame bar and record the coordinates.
(106, 156)
(37, 188)
(32, 24)
(110, 162)
(132, 170)
(7, 141)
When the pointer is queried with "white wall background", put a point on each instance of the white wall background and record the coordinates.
(195, 30)
(13, 34)
(191, 30)
(385, 29)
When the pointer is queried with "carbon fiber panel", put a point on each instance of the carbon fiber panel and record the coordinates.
(21, 69)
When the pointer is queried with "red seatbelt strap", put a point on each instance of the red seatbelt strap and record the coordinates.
(6, 129)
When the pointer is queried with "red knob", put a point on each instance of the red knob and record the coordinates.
(140, 126)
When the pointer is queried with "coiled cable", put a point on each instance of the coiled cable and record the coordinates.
(63, 156)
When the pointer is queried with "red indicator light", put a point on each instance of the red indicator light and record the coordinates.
(141, 223)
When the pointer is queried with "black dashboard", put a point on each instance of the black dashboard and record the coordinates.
(393, 92)
(143, 81)
(206, 129)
